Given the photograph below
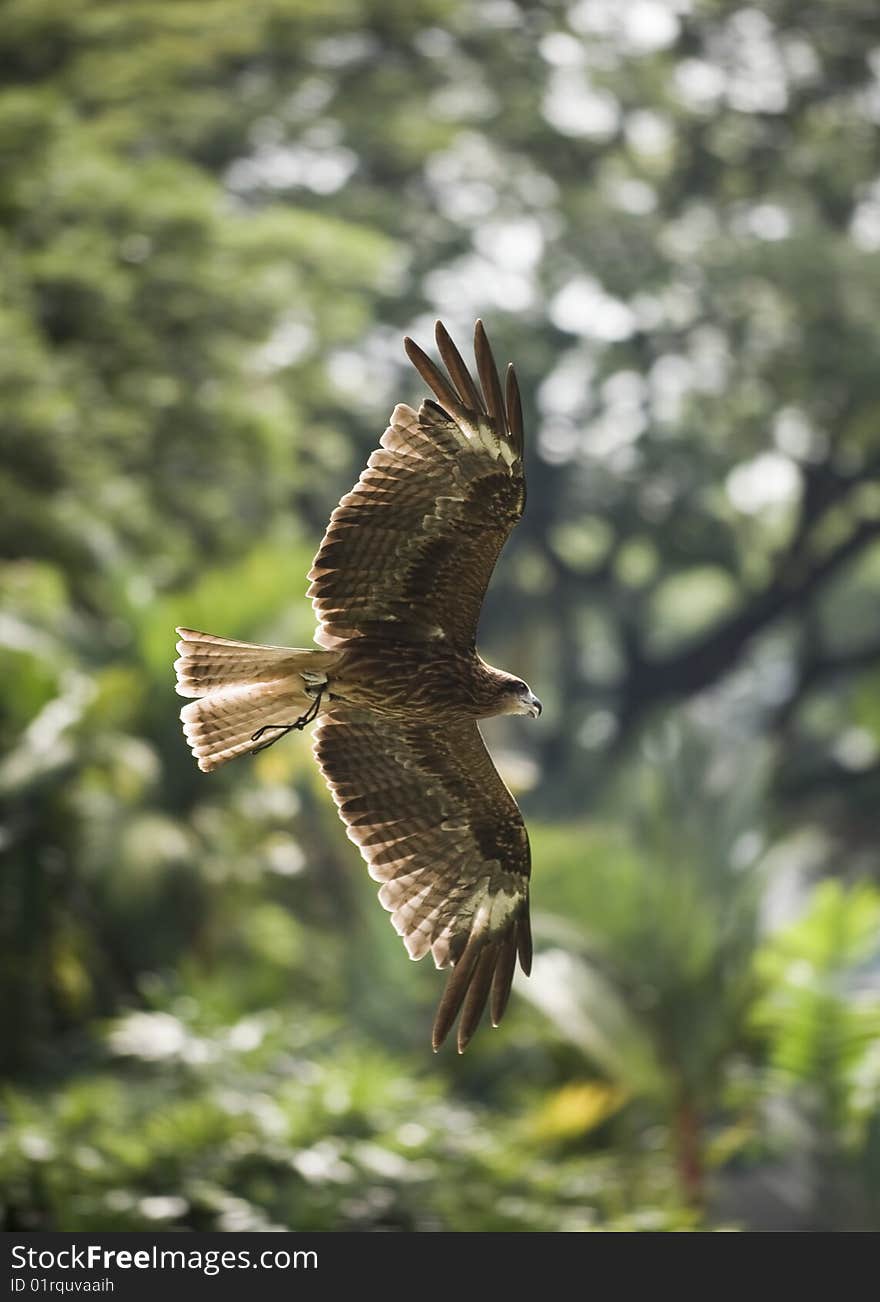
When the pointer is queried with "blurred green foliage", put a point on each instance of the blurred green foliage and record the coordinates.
(217, 220)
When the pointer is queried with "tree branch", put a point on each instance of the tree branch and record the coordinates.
(706, 659)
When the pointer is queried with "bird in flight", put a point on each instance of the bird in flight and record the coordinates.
(396, 688)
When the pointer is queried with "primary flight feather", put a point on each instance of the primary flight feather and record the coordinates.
(397, 688)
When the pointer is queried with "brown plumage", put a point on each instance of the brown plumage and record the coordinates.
(397, 687)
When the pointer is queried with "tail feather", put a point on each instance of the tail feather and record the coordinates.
(239, 688)
(207, 663)
(221, 727)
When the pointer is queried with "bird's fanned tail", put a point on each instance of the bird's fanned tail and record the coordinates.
(241, 689)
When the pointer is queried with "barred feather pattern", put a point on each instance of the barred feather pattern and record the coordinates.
(409, 552)
(239, 688)
(437, 826)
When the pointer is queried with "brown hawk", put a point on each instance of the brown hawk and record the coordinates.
(397, 687)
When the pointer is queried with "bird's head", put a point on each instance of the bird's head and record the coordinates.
(522, 700)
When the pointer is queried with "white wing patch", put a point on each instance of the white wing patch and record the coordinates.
(483, 435)
(466, 433)
(489, 911)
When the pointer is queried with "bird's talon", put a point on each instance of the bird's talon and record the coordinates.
(282, 729)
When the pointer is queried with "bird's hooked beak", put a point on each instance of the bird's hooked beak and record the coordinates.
(533, 705)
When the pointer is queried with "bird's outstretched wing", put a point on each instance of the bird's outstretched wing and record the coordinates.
(409, 552)
(438, 827)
